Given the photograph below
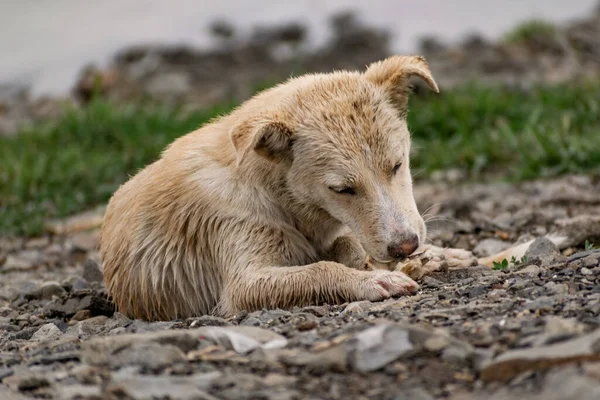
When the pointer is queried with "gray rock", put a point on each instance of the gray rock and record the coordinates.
(102, 350)
(140, 387)
(541, 251)
(243, 339)
(139, 326)
(94, 301)
(207, 320)
(377, 346)
(251, 321)
(358, 307)
(488, 247)
(78, 391)
(46, 333)
(4, 372)
(147, 355)
(91, 272)
(592, 260)
(413, 394)
(48, 290)
(514, 362)
(89, 327)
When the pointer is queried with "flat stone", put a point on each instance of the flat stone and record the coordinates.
(592, 260)
(488, 247)
(47, 291)
(358, 307)
(4, 372)
(91, 271)
(514, 362)
(46, 333)
(541, 251)
(100, 351)
(85, 241)
(377, 346)
(76, 223)
(162, 387)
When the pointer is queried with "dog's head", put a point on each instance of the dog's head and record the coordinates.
(344, 143)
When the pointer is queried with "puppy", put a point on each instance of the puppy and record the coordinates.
(277, 204)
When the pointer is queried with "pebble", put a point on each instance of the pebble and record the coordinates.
(47, 332)
(91, 272)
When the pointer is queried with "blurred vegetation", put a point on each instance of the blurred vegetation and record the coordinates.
(530, 30)
(78, 161)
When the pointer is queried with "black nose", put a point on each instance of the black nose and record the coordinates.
(403, 248)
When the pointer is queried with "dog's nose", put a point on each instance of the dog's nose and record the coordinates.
(403, 248)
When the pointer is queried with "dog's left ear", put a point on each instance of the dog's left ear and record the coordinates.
(393, 75)
(270, 139)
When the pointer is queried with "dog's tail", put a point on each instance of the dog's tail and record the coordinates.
(518, 251)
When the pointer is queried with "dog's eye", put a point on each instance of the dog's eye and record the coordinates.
(396, 167)
(343, 190)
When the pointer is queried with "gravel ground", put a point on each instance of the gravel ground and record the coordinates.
(530, 331)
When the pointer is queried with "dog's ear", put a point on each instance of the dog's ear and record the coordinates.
(393, 75)
(272, 140)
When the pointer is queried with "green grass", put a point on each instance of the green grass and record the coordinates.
(530, 30)
(78, 161)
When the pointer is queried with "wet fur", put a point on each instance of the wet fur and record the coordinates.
(237, 215)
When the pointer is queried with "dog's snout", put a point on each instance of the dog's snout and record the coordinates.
(403, 248)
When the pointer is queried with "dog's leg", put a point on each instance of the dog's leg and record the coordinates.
(259, 286)
(347, 250)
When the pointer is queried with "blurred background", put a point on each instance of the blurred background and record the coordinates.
(92, 91)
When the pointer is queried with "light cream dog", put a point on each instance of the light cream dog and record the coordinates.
(275, 205)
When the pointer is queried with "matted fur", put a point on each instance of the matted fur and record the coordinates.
(242, 213)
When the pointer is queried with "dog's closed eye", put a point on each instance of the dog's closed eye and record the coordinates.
(396, 168)
(343, 190)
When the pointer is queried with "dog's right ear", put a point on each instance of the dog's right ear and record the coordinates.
(272, 140)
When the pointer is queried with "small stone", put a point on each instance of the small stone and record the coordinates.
(436, 343)
(207, 320)
(531, 270)
(514, 362)
(592, 260)
(92, 272)
(147, 355)
(78, 391)
(77, 223)
(46, 333)
(37, 243)
(307, 325)
(377, 346)
(590, 369)
(22, 261)
(557, 288)
(48, 290)
(125, 384)
(29, 383)
(81, 315)
(413, 394)
(4, 372)
(85, 241)
(489, 247)
(358, 307)
(542, 251)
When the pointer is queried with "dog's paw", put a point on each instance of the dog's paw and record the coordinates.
(348, 251)
(379, 285)
(432, 258)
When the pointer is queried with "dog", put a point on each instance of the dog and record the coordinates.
(287, 201)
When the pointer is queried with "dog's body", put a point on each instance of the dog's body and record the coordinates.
(275, 205)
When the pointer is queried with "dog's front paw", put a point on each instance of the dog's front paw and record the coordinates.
(348, 251)
(432, 258)
(379, 285)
